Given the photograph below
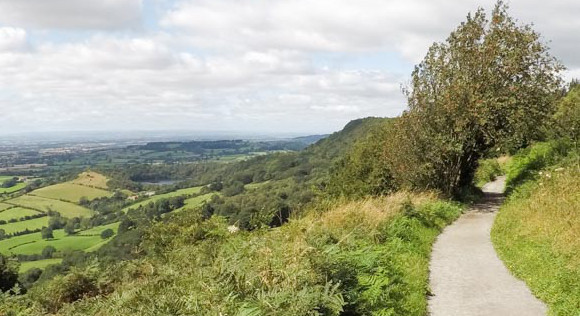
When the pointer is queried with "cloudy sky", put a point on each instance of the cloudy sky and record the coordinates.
(305, 66)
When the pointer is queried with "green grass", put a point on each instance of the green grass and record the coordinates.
(92, 179)
(7, 244)
(17, 187)
(4, 178)
(187, 191)
(195, 202)
(40, 264)
(66, 209)
(16, 212)
(97, 230)
(64, 243)
(252, 186)
(525, 165)
(537, 235)
(4, 206)
(23, 225)
(70, 192)
(89, 240)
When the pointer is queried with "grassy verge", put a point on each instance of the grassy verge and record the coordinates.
(537, 231)
(40, 264)
(368, 257)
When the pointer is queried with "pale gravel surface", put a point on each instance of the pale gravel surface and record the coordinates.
(467, 277)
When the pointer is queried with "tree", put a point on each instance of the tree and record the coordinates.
(28, 278)
(48, 251)
(490, 86)
(46, 233)
(84, 201)
(107, 233)
(8, 273)
(567, 117)
(69, 228)
(2, 234)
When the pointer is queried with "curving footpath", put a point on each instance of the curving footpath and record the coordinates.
(467, 278)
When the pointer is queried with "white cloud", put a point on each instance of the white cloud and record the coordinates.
(228, 64)
(12, 39)
(71, 14)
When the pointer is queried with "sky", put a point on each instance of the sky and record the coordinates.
(267, 66)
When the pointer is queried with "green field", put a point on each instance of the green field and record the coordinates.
(70, 192)
(41, 264)
(195, 201)
(66, 209)
(4, 206)
(16, 212)
(19, 186)
(252, 186)
(88, 240)
(92, 179)
(97, 230)
(187, 191)
(22, 226)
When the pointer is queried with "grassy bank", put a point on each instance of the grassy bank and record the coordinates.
(368, 257)
(537, 231)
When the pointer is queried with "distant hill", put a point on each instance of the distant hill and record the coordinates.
(310, 139)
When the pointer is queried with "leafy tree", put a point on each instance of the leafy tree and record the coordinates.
(8, 273)
(46, 233)
(107, 233)
(28, 278)
(69, 228)
(567, 117)
(491, 85)
(48, 251)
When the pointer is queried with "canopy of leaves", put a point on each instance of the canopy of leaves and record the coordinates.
(492, 84)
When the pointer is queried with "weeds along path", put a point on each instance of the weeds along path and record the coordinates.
(467, 277)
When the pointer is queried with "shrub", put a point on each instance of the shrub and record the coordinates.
(66, 289)
(107, 233)
(48, 251)
(487, 171)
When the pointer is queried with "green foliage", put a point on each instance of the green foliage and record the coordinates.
(48, 251)
(107, 233)
(487, 171)
(491, 85)
(362, 258)
(567, 117)
(8, 273)
(46, 233)
(528, 162)
(28, 278)
(363, 169)
(66, 289)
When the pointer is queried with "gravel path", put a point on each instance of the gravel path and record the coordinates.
(467, 277)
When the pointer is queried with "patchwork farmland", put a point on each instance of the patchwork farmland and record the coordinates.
(24, 218)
